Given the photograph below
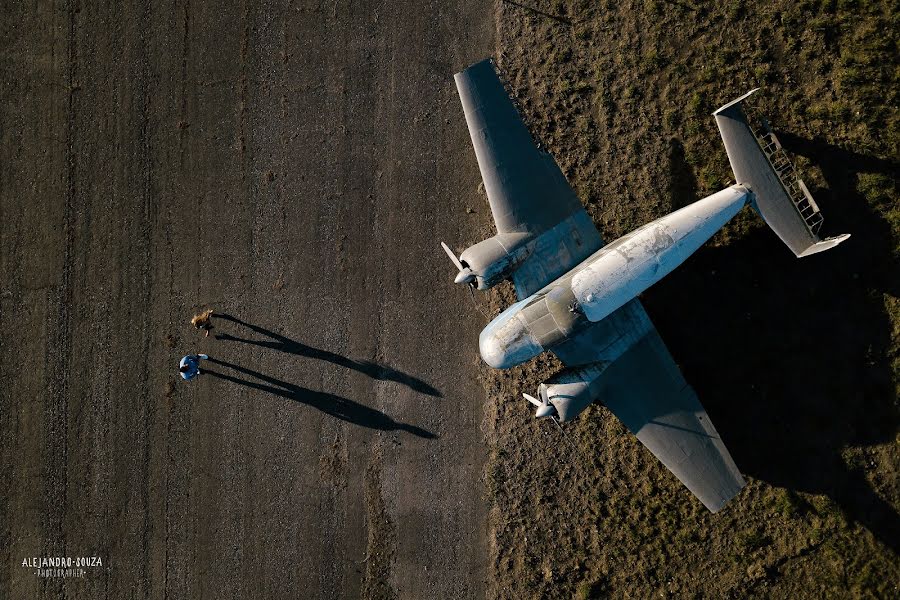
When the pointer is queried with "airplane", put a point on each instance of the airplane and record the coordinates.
(577, 297)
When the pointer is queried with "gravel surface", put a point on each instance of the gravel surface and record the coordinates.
(293, 166)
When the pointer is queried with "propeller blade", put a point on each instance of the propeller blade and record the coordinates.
(533, 400)
(452, 256)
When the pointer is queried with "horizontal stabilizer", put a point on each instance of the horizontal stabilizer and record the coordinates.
(780, 197)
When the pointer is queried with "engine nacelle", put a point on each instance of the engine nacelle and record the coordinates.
(494, 259)
(572, 391)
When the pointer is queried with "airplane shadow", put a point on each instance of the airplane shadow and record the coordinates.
(331, 404)
(683, 187)
(791, 357)
(368, 368)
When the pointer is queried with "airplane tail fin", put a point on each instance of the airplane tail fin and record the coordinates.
(779, 196)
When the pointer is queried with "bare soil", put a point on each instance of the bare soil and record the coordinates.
(293, 166)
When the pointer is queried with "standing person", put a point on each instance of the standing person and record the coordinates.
(189, 367)
(203, 321)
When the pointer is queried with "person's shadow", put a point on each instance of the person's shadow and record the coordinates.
(791, 357)
(368, 368)
(331, 404)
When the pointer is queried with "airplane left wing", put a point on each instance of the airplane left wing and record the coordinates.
(526, 190)
(641, 385)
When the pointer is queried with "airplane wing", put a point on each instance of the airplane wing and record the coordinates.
(526, 190)
(644, 388)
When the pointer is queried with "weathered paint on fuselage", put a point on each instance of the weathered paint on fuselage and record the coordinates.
(605, 281)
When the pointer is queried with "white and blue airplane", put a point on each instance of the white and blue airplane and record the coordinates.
(578, 297)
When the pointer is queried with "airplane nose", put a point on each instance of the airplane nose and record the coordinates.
(491, 350)
(506, 342)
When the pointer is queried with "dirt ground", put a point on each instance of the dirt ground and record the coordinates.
(293, 166)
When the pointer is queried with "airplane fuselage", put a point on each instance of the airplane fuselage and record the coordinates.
(606, 280)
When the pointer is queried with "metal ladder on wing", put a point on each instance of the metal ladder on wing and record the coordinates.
(795, 188)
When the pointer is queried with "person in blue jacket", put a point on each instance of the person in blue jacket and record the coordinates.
(189, 367)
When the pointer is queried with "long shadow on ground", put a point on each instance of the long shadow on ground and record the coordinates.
(284, 344)
(331, 404)
(791, 356)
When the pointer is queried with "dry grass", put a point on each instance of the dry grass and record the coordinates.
(796, 361)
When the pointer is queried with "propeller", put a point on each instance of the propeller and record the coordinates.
(544, 408)
(465, 274)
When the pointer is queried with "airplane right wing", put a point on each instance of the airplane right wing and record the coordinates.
(641, 385)
(526, 190)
